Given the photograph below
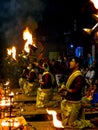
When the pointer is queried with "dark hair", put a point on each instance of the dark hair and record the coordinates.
(32, 76)
(45, 65)
(77, 60)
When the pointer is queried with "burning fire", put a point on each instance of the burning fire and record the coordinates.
(9, 51)
(56, 122)
(95, 2)
(12, 52)
(29, 41)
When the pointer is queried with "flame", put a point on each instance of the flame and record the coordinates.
(12, 52)
(27, 36)
(95, 2)
(9, 51)
(56, 122)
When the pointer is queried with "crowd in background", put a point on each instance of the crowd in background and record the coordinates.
(60, 69)
(41, 78)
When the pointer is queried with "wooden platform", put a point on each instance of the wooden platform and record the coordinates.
(49, 126)
(30, 106)
(29, 110)
(23, 98)
(45, 125)
(32, 110)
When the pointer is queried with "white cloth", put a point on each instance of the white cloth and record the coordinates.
(90, 75)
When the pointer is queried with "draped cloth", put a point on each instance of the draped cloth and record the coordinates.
(45, 91)
(44, 96)
(72, 77)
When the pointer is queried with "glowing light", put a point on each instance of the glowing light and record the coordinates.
(56, 122)
(12, 52)
(88, 30)
(27, 36)
(10, 122)
(95, 2)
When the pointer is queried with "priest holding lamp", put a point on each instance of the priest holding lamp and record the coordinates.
(71, 104)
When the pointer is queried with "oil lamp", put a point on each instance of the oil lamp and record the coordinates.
(88, 30)
(95, 16)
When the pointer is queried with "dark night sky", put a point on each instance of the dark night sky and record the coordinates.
(60, 18)
(43, 17)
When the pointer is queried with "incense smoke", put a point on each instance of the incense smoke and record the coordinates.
(15, 15)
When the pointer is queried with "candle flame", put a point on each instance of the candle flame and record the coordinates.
(56, 122)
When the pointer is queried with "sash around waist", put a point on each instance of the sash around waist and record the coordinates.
(76, 102)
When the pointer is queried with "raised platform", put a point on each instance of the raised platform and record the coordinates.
(37, 117)
(45, 125)
(28, 105)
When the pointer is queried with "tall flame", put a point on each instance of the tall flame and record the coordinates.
(95, 2)
(27, 36)
(56, 122)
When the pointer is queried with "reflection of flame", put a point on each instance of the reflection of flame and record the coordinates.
(95, 2)
(56, 122)
(27, 36)
(12, 52)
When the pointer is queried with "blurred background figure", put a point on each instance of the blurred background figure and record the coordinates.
(90, 75)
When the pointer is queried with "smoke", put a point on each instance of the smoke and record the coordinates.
(16, 15)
